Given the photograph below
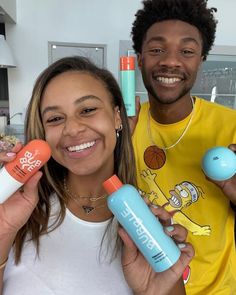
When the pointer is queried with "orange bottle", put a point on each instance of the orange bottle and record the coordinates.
(27, 162)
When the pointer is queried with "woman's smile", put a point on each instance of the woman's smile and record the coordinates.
(81, 150)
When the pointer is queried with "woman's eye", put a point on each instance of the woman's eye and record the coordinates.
(88, 111)
(54, 119)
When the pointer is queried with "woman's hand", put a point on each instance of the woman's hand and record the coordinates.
(139, 274)
(228, 186)
(16, 210)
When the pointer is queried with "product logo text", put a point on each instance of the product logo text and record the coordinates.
(29, 162)
(140, 229)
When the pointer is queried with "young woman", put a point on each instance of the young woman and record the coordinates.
(57, 234)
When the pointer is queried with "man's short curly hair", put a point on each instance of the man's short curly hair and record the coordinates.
(194, 12)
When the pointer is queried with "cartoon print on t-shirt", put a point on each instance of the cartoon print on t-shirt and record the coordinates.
(186, 274)
(154, 157)
(182, 195)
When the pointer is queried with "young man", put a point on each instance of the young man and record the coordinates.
(172, 38)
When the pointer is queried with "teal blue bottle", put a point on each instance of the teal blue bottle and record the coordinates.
(127, 83)
(219, 163)
(141, 224)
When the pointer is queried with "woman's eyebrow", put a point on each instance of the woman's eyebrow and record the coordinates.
(77, 101)
(86, 97)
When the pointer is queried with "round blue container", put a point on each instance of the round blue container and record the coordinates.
(219, 163)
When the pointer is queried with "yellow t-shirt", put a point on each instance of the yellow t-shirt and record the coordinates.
(178, 184)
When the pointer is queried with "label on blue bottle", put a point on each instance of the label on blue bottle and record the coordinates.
(143, 228)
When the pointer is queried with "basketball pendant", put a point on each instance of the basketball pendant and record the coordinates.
(154, 157)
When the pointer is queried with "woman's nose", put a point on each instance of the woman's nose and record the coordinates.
(73, 126)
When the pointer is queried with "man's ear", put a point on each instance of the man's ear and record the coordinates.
(202, 60)
(139, 59)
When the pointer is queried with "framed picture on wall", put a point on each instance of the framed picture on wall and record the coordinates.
(97, 53)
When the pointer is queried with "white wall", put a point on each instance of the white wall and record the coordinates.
(78, 21)
(226, 21)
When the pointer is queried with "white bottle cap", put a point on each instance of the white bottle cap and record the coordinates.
(8, 185)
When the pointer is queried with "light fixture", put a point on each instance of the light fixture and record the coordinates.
(6, 58)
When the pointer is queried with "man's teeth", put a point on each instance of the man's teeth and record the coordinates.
(81, 147)
(168, 80)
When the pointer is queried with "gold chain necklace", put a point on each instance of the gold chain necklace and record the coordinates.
(154, 155)
(75, 198)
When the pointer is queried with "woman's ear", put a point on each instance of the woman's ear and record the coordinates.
(118, 120)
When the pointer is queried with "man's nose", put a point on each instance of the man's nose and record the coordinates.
(171, 59)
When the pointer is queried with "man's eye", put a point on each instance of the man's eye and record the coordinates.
(188, 52)
(156, 51)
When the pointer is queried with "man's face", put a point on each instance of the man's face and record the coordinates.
(170, 59)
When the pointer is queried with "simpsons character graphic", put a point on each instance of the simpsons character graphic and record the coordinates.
(184, 194)
(181, 196)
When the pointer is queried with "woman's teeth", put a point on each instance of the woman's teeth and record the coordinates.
(81, 147)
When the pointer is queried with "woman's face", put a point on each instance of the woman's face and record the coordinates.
(80, 121)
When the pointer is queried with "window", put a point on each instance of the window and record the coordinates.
(4, 96)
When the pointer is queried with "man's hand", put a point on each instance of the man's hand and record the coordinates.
(228, 186)
(133, 120)
(138, 273)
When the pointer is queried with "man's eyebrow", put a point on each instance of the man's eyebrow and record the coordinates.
(77, 101)
(184, 40)
(156, 38)
(190, 39)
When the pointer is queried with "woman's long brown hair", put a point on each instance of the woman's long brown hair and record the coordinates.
(53, 173)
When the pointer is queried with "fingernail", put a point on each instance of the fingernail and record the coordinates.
(169, 228)
(181, 245)
(154, 206)
(10, 154)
